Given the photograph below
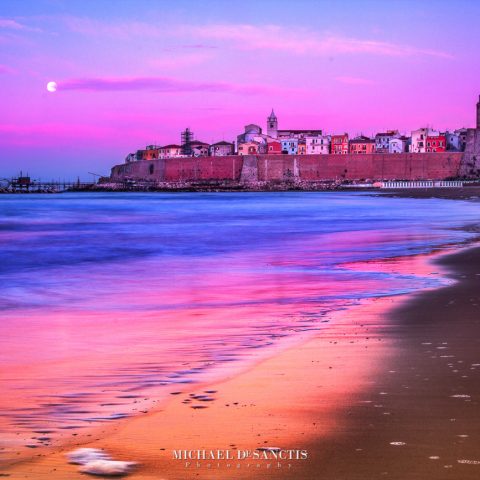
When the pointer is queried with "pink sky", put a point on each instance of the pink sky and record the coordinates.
(137, 73)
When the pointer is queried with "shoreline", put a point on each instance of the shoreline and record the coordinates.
(467, 193)
(431, 399)
(351, 356)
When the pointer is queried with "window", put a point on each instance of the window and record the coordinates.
(151, 168)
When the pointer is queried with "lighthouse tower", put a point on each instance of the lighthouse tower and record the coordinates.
(272, 123)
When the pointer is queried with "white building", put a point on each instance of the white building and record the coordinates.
(397, 145)
(382, 140)
(318, 145)
(453, 141)
(419, 138)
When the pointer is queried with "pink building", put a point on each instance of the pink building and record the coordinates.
(169, 151)
(250, 148)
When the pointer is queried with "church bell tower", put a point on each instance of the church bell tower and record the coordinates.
(272, 124)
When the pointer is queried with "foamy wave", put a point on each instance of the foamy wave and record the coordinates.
(82, 456)
(95, 462)
(108, 467)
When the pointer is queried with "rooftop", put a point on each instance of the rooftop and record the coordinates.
(362, 139)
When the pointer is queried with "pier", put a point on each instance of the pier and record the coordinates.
(24, 184)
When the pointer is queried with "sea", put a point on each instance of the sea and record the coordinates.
(110, 302)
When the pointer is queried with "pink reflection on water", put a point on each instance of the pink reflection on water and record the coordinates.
(117, 338)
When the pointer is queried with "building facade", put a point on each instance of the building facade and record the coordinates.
(170, 151)
(221, 149)
(398, 145)
(301, 147)
(318, 145)
(462, 137)
(382, 140)
(250, 132)
(419, 139)
(453, 142)
(274, 147)
(362, 145)
(151, 152)
(199, 149)
(251, 148)
(289, 146)
(436, 143)
(339, 144)
(298, 134)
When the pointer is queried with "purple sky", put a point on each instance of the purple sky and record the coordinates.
(132, 73)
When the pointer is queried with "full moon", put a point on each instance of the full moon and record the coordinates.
(51, 86)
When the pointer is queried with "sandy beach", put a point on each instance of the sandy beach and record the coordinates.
(389, 390)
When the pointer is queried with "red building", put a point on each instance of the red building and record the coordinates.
(274, 147)
(339, 144)
(150, 154)
(362, 145)
(436, 144)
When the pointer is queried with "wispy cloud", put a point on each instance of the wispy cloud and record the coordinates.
(302, 41)
(294, 39)
(181, 60)
(121, 29)
(160, 84)
(200, 46)
(355, 80)
(49, 133)
(11, 24)
(6, 70)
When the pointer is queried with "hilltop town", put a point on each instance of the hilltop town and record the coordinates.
(253, 141)
(306, 159)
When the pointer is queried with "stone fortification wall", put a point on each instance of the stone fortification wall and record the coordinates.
(471, 160)
(300, 168)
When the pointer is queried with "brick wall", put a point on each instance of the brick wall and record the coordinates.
(404, 166)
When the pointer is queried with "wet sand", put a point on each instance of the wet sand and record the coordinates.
(431, 398)
(389, 390)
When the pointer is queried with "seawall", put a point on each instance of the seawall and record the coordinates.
(253, 169)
